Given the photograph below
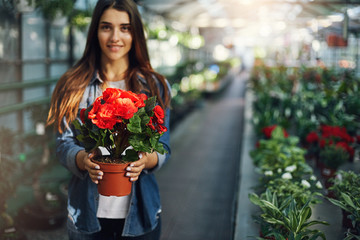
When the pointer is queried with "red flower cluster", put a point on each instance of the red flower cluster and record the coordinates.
(113, 107)
(330, 135)
(157, 120)
(267, 131)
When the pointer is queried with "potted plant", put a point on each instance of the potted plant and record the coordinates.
(288, 218)
(299, 190)
(280, 156)
(332, 157)
(346, 182)
(350, 204)
(125, 124)
(330, 135)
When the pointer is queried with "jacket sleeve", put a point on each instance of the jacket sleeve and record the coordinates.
(67, 147)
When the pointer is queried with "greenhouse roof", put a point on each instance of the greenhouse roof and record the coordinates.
(243, 13)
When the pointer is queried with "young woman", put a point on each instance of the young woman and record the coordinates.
(115, 56)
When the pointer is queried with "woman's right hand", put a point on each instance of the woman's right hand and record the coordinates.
(83, 160)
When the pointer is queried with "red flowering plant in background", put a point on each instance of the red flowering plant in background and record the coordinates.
(123, 122)
(331, 135)
(267, 131)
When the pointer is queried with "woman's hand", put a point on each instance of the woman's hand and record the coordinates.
(83, 160)
(146, 161)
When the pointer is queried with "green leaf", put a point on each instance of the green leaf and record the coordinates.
(150, 103)
(254, 199)
(134, 124)
(270, 206)
(77, 124)
(348, 200)
(130, 155)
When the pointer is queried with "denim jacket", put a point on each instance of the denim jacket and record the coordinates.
(83, 196)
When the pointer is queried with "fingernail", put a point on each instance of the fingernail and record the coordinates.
(128, 168)
(131, 179)
(100, 173)
(128, 174)
(97, 167)
(99, 177)
(96, 182)
(140, 155)
(131, 165)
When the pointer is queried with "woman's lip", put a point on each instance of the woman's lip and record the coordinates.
(115, 47)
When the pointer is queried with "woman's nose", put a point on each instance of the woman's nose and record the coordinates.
(115, 35)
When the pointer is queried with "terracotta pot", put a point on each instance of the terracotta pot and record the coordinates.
(114, 182)
(327, 172)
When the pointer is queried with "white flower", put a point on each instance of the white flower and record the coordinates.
(313, 178)
(286, 176)
(268, 173)
(290, 168)
(279, 170)
(319, 185)
(305, 183)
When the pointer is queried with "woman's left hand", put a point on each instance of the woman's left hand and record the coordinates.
(146, 161)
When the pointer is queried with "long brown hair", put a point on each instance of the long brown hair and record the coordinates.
(71, 86)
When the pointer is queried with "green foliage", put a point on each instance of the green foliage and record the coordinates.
(297, 189)
(289, 219)
(350, 204)
(53, 8)
(346, 187)
(346, 182)
(333, 156)
(270, 110)
(278, 153)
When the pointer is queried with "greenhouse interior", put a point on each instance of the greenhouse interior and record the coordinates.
(265, 116)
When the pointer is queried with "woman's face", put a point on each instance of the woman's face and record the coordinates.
(114, 35)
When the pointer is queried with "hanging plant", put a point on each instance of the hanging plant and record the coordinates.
(54, 8)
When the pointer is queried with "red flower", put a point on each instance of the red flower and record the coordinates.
(159, 114)
(268, 131)
(346, 147)
(358, 139)
(105, 118)
(161, 129)
(114, 106)
(125, 108)
(312, 137)
(151, 124)
(140, 103)
(336, 132)
(322, 143)
(82, 115)
(110, 95)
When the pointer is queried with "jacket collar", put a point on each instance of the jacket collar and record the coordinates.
(96, 78)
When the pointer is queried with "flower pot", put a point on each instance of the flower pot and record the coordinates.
(327, 173)
(262, 236)
(114, 182)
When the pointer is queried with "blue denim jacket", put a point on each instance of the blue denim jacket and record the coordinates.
(82, 193)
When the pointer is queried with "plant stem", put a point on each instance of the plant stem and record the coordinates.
(121, 137)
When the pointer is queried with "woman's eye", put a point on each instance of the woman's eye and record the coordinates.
(105, 27)
(125, 28)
